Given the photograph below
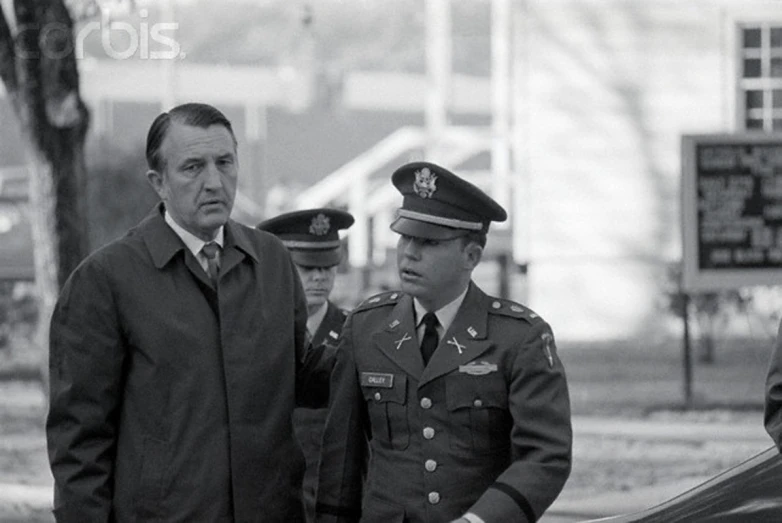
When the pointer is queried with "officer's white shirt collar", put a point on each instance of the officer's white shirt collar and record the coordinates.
(314, 321)
(445, 314)
(193, 243)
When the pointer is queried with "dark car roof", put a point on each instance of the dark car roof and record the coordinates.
(750, 492)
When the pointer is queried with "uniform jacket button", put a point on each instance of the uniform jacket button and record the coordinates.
(378, 396)
(430, 465)
(428, 432)
(477, 403)
(426, 403)
(434, 498)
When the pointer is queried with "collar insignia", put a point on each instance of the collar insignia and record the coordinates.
(401, 341)
(456, 344)
(424, 185)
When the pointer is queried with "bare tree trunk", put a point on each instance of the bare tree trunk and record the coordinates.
(39, 70)
(44, 254)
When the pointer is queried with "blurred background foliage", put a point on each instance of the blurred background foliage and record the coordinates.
(119, 195)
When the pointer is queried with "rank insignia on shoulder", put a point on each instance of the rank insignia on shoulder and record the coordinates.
(548, 341)
(512, 309)
(334, 335)
(377, 300)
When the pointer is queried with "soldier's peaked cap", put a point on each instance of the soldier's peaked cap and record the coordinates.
(439, 205)
(311, 235)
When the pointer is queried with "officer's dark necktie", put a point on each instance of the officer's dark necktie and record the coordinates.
(431, 338)
(210, 251)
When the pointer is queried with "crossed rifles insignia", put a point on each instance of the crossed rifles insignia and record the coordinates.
(453, 341)
(456, 344)
(401, 341)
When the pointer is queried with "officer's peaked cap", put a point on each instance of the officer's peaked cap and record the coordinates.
(311, 235)
(439, 205)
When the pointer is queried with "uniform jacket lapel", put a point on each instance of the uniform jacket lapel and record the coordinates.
(398, 341)
(331, 326)
(465, 339)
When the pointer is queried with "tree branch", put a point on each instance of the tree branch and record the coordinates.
(27, 61)
(58, 68)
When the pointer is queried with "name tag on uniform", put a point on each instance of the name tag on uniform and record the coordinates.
(377, 379)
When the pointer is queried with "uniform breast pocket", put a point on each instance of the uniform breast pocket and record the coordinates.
(478, 412)
(386, 397)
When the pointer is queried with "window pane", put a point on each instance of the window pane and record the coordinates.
(752, 68)
(751, 38)
(776, 67)
(776, 98)
(777, 124)
(754, 100)
(776, 37)
(754, 125)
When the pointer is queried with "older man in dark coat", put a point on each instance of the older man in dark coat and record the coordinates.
(177, 352)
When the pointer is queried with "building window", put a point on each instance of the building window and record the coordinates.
(760, 82)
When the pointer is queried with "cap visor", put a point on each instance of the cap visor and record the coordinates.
(317, 258)
(430, 231)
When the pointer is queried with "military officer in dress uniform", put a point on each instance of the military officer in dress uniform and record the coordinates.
(312, 238)
(446, 404)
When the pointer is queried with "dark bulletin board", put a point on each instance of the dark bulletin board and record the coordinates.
(731, 210)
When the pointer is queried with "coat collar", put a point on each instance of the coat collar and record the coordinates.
(330, 327)
(163, 243)
(466, 338)
(398, 340)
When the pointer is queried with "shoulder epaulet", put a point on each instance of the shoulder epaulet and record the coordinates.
(378, 300)
(512, 309)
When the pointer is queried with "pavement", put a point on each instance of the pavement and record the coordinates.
(569, 507)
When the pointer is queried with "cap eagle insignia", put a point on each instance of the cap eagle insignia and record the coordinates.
(320, 225)
(424, 185)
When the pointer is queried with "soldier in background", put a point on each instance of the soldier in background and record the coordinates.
(312, 238)
(462, 396)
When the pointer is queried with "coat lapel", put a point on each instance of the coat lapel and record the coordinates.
(466, 338)
(237, 246)
(331, 326)
(397, 340)
(163, 244)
